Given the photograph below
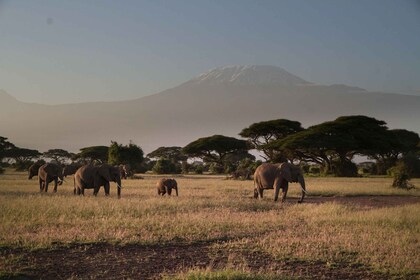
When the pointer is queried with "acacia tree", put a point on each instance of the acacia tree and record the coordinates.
(93, 153)
(58, 155)
(215, 149)
(5, 147)
(129, 154)
(171, 153)
(262, 133)
(23, 157)
(397, 144)
(335, 143)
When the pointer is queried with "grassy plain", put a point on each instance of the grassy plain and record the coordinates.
(221, 214)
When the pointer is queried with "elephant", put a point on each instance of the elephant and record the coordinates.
(33, 169)
(125, 171)
(165, 185)
(93, 177)
(269, 176)
(50, 172)
(71, 169)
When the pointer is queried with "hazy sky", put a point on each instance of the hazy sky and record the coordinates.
(72, 51)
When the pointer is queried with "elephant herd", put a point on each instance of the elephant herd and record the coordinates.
(266, 176)
(90, 177)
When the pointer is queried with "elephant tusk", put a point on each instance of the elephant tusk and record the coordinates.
(119, 186)
(303, 190)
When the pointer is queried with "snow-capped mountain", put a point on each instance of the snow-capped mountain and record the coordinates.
(222, 101)
(251, 75)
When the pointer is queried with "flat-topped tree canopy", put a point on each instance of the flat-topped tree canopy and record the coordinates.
(262, 133)
(215, 148)
(340, 139)
(172, 153)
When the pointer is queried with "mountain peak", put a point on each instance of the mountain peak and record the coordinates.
(5, 97)
(248, 75)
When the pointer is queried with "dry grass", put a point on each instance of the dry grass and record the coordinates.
(211, 208)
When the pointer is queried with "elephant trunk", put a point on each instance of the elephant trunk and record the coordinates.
(301, 181)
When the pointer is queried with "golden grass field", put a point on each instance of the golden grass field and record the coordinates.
(241, 238)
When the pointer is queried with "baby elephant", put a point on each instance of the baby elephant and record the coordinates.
(166, 185)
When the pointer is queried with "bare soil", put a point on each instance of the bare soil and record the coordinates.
(108, 261)
(366, 201)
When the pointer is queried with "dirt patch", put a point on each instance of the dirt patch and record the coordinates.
(106, 261)
(373, 201)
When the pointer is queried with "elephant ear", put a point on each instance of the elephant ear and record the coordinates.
(285, 171)
(104, 172)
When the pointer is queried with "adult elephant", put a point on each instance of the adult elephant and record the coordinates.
(50, 172)
(33, 169)
(93, 177)
(71, 169)
(269, 176)
(165, 185)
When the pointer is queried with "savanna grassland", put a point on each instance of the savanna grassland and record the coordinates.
(357, 228)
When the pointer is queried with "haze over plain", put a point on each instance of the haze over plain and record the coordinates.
(74, 52)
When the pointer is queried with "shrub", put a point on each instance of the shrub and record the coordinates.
(199, 169)
(401, 173)
(216, 168)
(165, 166)
(344, 168)
(315, 170)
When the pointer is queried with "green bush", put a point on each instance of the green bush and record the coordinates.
(344, 168)
(216, 168)
(199, 169)
(315, 170)
(401, 174)
(165, 166)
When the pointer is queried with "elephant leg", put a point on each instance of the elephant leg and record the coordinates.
(261, 192)
(41, 185)
(277, 185)
(176, 191)
(255, 193)
(55, 185)
(106, 187)
(95, 191)
(285, 187)
(169, 190)
(46, 185)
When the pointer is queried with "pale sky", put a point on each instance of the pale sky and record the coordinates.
(74, 51)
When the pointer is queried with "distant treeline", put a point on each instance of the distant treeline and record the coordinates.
(324, 149)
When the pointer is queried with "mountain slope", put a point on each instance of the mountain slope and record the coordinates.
(222, 101)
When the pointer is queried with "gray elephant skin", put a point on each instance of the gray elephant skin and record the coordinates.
(94, 177)
(277, 176)
(47, 173)
(71, 169)
(165, 185)
(33, 169)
